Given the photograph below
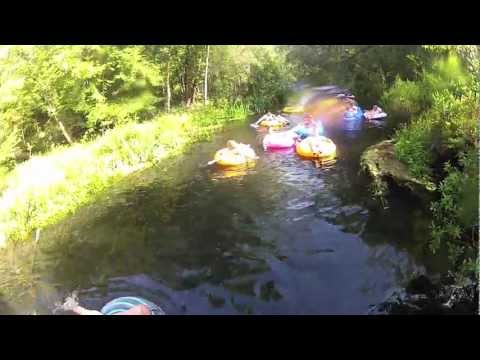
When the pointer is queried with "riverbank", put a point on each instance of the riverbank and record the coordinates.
(445, 295)
(49, 187)
(380, 162)
(453, 293)
(434, 153)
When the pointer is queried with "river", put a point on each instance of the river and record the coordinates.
(283, 238)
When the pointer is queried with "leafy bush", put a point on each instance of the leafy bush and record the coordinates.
(447, 75)
(412, 146)
(8, 148)
(404, 97)
(456, 213)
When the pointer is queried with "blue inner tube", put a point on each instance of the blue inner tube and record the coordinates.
(353, 121)
(126, 303)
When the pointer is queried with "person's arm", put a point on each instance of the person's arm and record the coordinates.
(260, 120)
(71, 304)
(82, 311)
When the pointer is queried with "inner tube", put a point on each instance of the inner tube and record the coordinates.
(280, 140)
(371, 115)
(323, 148)
(227, 157)
(276, 123)
(289, 150)
(293, 109)
(126, 303)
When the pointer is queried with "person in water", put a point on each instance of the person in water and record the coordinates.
(352, 109)
(241, 149)
(309, 127)
(352, 106)
(271, 117)
(126, 305)
(267, 117)
(136, 310)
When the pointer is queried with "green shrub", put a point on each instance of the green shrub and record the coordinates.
(455, 214)
(413, 144)
(405, 97)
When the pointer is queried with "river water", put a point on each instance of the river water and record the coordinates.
(282, 238)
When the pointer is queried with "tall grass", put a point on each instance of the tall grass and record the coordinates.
(49, 187)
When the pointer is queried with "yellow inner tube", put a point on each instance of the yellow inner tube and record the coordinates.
(273, 123)
(316, 147)
(293, 109)
(232, 172)
(226, 157)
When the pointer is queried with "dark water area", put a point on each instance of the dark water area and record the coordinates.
(283, 237)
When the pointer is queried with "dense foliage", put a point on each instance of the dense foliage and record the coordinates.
(52, 95)
(440, 144)
(367, 70)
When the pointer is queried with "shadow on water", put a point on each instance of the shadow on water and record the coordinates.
(282, 238)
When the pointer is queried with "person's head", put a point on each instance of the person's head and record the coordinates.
(308, 119)
(231, 144)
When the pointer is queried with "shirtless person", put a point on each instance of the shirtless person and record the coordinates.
(126, 305)
(242, 149)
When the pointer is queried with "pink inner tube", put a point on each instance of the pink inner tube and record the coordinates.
(290, 150)
(280, 140)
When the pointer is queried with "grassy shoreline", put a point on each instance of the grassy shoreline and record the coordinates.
(49, 187)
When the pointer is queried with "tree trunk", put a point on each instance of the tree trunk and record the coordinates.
(53, 113)
(194, 94)
(169, 95)
(186, 77)
(64, 131)
(205, 91)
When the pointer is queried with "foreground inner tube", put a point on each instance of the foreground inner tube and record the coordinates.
(226, 157)
(316, 147)
(126, 303)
